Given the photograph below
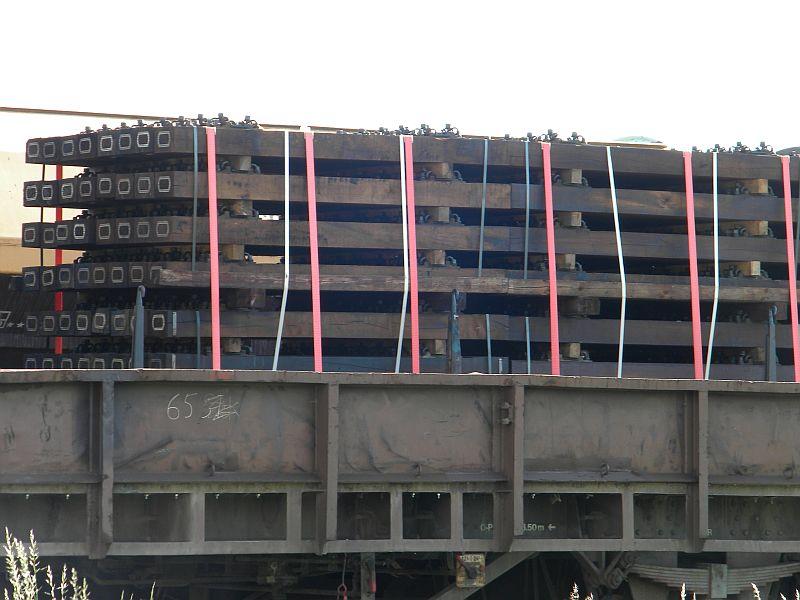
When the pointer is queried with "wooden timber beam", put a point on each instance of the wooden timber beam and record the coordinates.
(346, 191)
(362, 325)
(364, 236)
(372, 364)
(177, 141)
(389, 279)
(338, 364)
(746, 372)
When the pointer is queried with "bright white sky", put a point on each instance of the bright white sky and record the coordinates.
(688, 73)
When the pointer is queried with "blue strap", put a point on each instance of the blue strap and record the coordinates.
(483, 203)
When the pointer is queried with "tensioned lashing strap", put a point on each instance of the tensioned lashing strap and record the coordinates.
(694, 282)
(311, 192)
(483, 205)
(408, 142)
(715, 201)
(213, 241)
(404, 218)
(622, 279)
(555, 357)
(286, 259)
(787, 208)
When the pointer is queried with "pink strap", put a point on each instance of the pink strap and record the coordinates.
(311, 186)
(787, 209)
(412, 252)
(694, 282)
(555, 356)
(59, 259)
(213, 240)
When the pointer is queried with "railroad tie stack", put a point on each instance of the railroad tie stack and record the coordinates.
(512, 257)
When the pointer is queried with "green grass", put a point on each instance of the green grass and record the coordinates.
(28, 580)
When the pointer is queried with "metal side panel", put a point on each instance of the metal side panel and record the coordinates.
(44, 429)
(162, 462)
(231, 429)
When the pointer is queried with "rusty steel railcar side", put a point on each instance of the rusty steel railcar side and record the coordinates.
(198, 462)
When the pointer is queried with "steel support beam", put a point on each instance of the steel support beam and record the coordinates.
(511, 419)
(327, 459)
(100, 510)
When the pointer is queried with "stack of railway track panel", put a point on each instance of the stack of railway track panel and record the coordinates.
(137, 229)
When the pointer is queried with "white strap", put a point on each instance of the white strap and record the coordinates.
(621, 260)
(714, 156)
(285, 249)
(405, 254)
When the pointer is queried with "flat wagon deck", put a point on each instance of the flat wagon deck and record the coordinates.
(195, 462)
